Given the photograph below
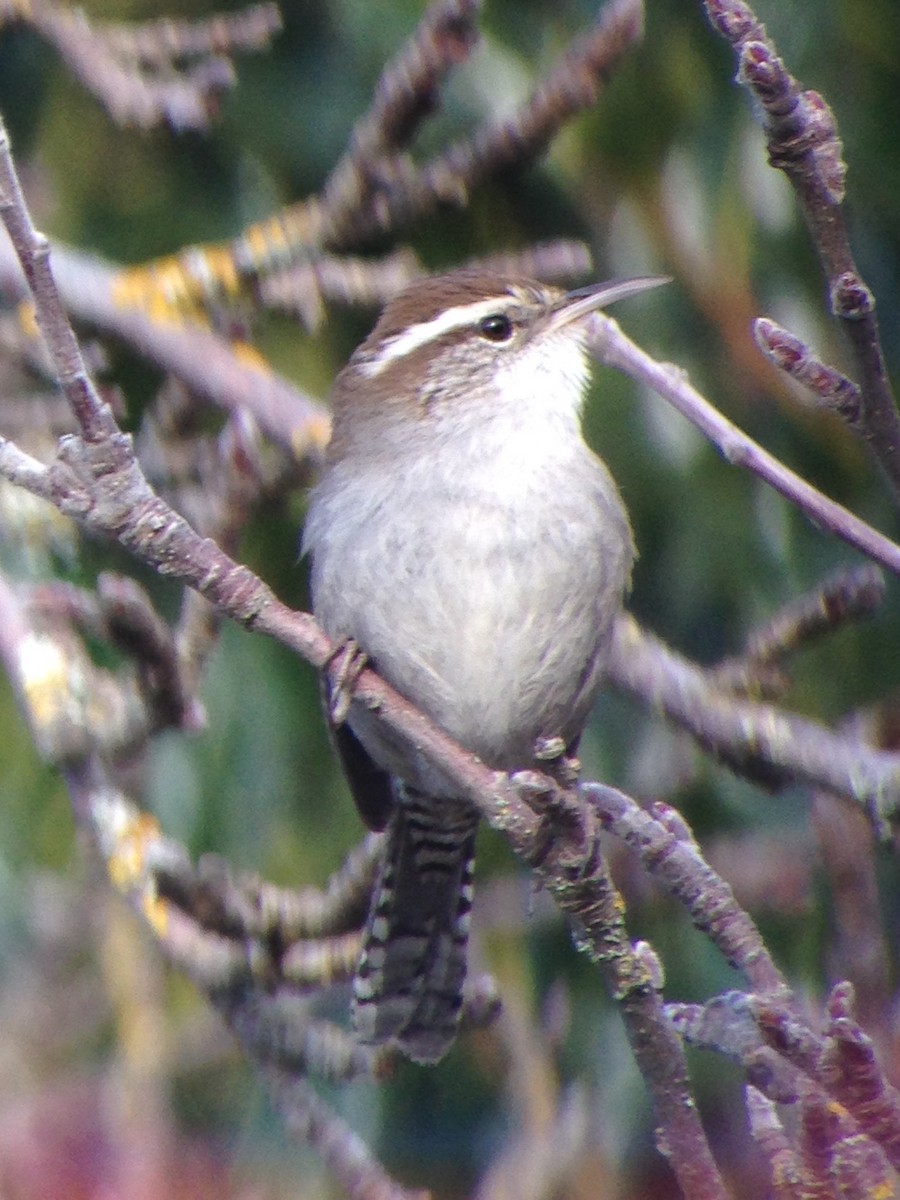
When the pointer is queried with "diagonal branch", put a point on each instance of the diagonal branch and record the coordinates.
(616, 349)
(757, 740)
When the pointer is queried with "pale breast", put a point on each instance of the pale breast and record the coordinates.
(490, 612)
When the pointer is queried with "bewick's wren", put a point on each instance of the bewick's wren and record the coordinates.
(473, 547)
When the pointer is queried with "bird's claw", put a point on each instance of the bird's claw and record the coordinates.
(565, 768)
(342, 668)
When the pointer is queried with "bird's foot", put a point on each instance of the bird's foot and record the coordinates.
(342, 668)
(552, 754)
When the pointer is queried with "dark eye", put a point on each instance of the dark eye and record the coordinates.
(496, 328)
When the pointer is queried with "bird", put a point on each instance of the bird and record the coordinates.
(468, 543)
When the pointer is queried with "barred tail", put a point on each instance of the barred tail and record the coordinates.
(408, 988)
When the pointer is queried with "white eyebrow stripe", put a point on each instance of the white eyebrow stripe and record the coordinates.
(426, 331)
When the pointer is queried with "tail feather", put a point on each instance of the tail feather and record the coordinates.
(408, 988)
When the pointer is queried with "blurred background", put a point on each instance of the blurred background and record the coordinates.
(100, 1048)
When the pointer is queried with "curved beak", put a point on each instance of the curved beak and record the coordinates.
(597, 295)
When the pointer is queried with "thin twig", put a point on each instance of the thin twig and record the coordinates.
(850, 594)
(346, 1154)
(826, 386)
(783, 1159)
(571, 86)
(614, 348)
(673, 858)
(404, 95)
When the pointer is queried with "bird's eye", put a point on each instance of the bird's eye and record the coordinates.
(496, 328)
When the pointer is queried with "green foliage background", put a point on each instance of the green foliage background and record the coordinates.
(671, 135)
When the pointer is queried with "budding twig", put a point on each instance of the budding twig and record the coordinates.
(785, 1168)
(672, 856)
(803, 142)
(827, 387)
(851, 594)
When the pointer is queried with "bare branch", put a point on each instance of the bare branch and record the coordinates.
(853, 1076)
(164, 41)
(33, 251)
(804, 143)
(404, 95)
(556, 262)
(727, 1025)
(615, 349)
(785, 1168)
(673, 858)
(760, 741)
(250, 907)
(570, 87)
(347, 1155)
(303, 287)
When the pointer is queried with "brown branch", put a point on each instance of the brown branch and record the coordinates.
(673, 859)
(804, 143)
(303, 287)
(850, 1071)
(570, 87)
(785, 1168)
(213, 939)
(827, 387)
(727, 1025)
(559, 261)
(860, 948)
(345, 1153)
(851, 594)
(251, 908)
(169, 39)
(404, 95)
